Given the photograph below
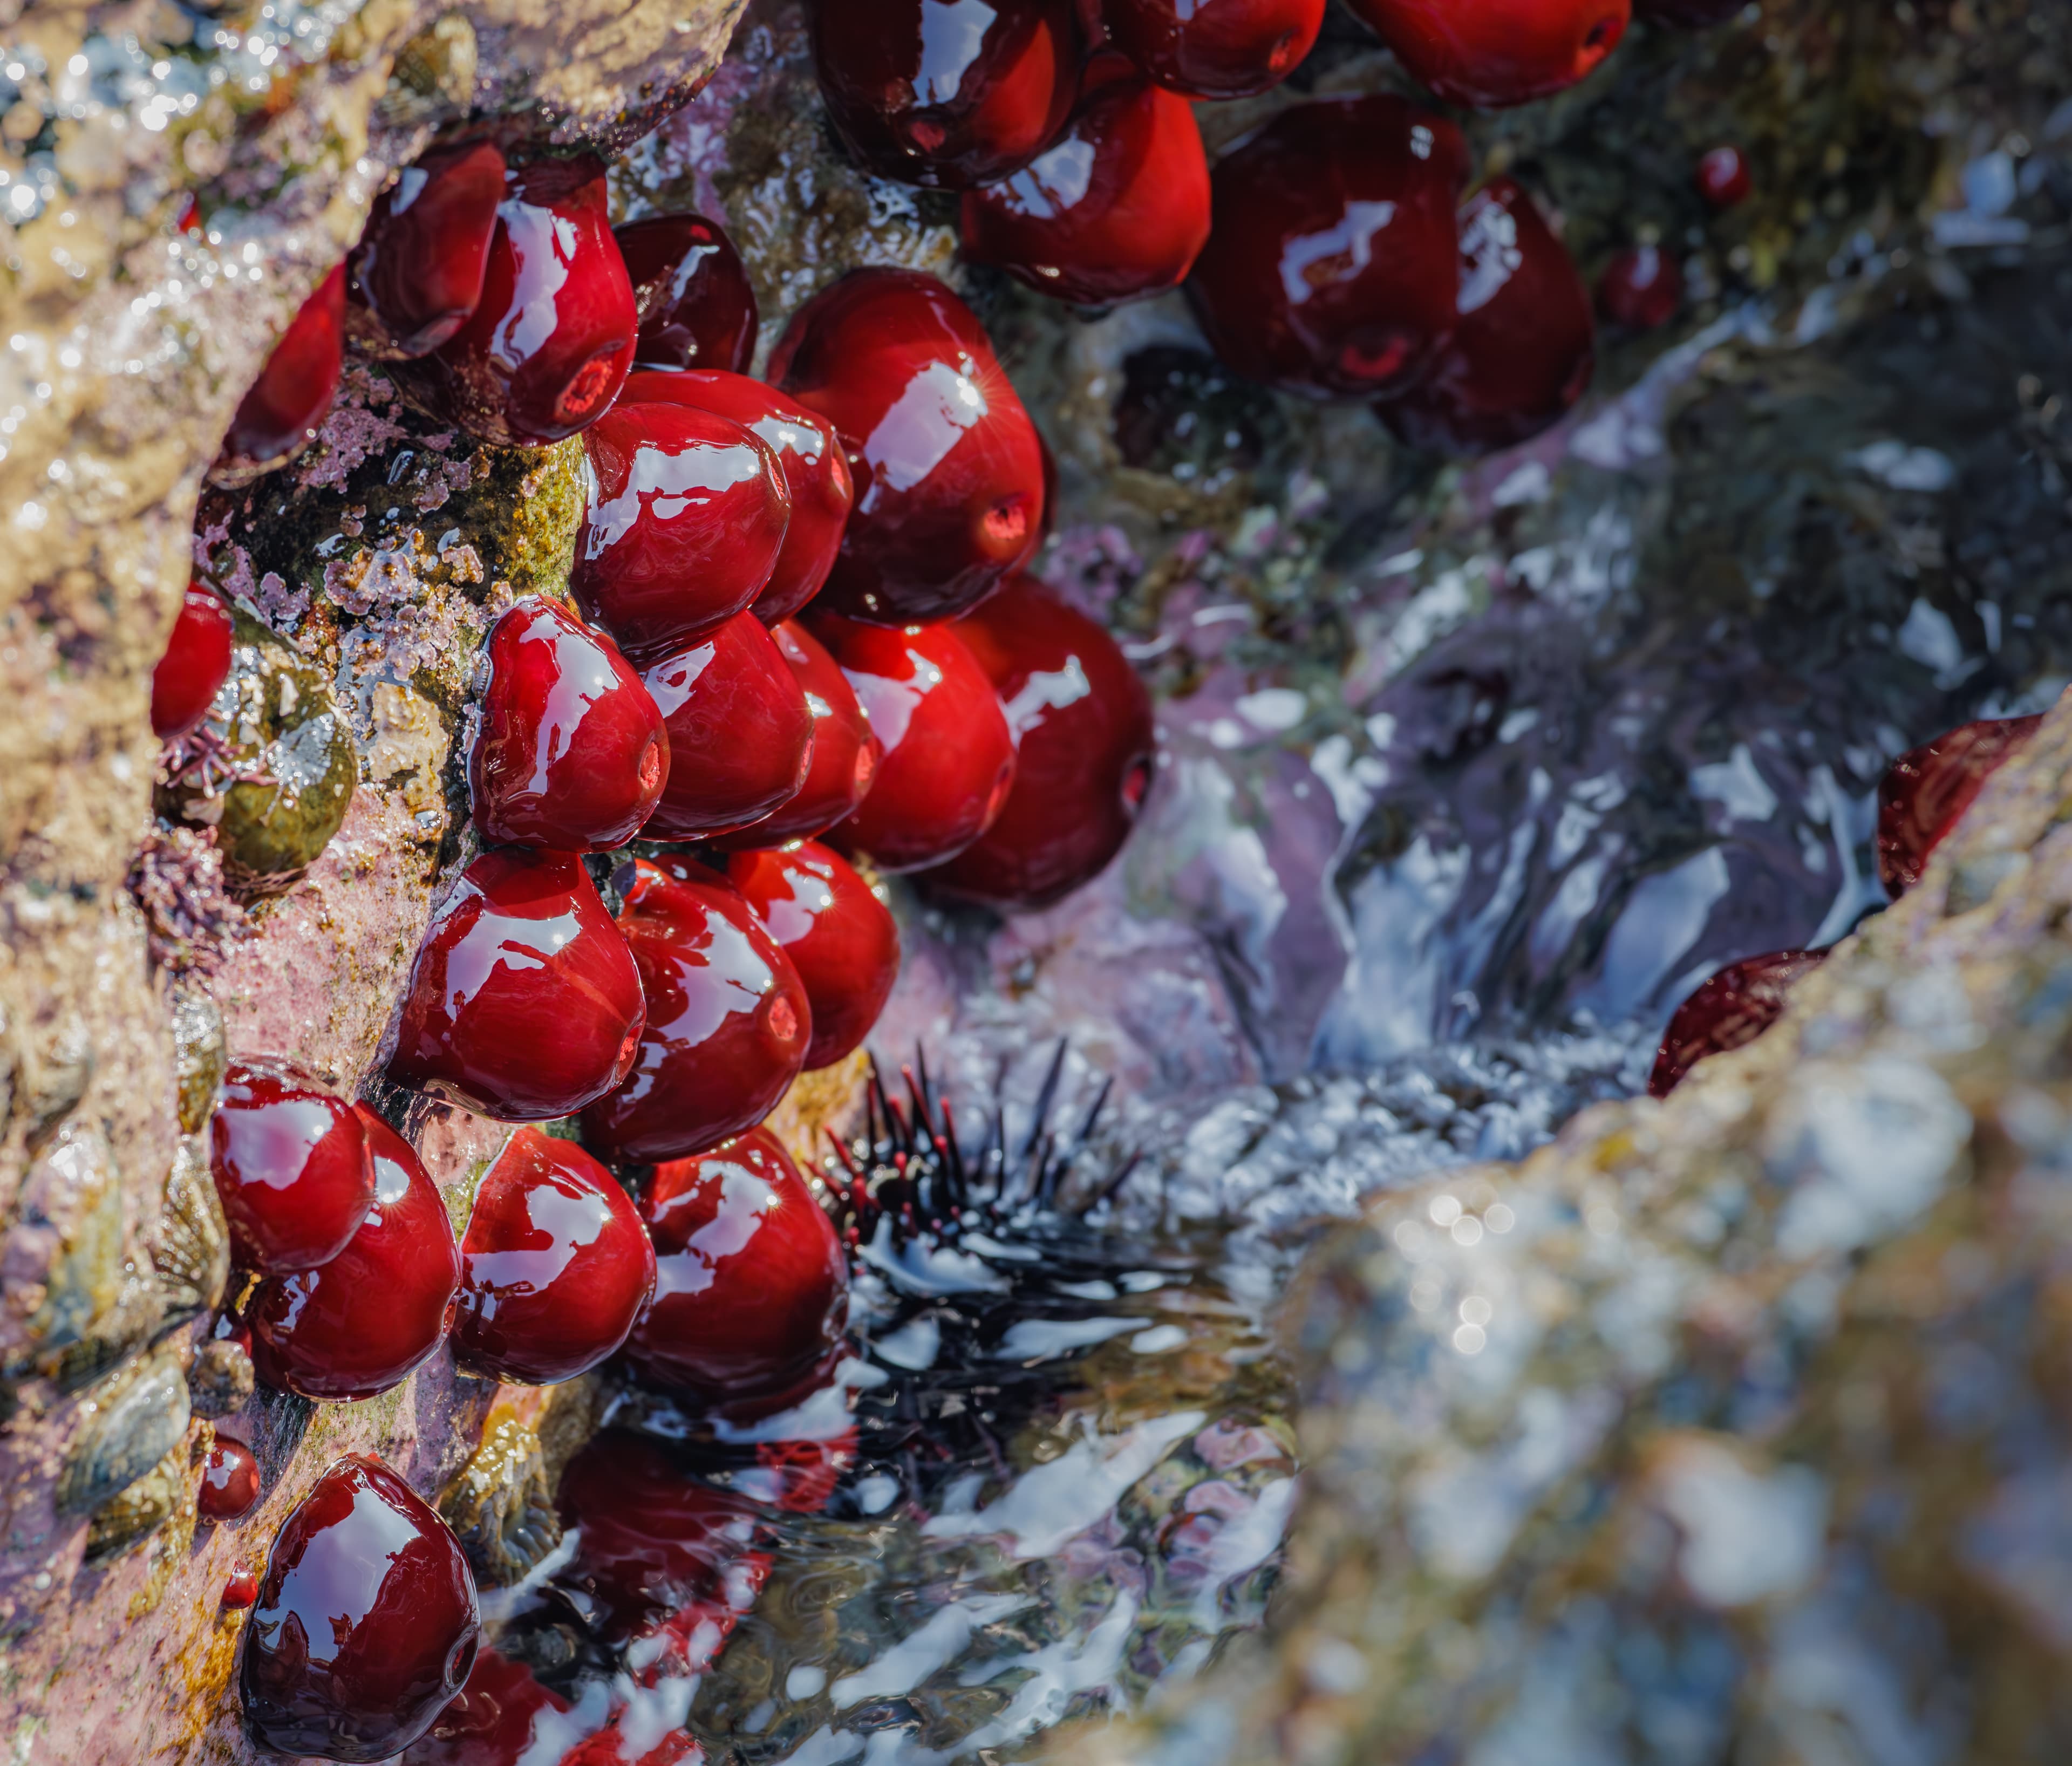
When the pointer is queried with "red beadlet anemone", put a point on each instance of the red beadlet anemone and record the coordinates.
(949, 756)
(753, 1289)
(366, 1624)
(1087, 749)
(728, 1020)
(816, 473)
(1490, 54)
(837, 931)
(555, 1265)
(548, 346)
(525, 1003)
(362, 1322)
(573, 753)
(946, 93)
(1115, 209)
(1332, 265)
(1523, 351)
(948, 470)
(1214, 48)
(686, 519)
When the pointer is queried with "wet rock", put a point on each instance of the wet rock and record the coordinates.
(199, 1054)
(171, 1531)
(192, 1258)
(283, 127)
(272, 769)
(62, 1260)
(220, 1381)
(128, 1423)
(1711, 1409)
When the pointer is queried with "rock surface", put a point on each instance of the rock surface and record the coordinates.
(1821, 504)
(129, 340)
(1728, 1428)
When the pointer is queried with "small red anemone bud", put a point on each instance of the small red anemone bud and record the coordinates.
(573, 753)
(948, 470)
(729, 1023)
(555, 1265)
(525, 1003)
(1723, 179)
(230, 1487)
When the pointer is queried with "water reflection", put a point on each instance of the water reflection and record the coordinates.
(1055, 1474)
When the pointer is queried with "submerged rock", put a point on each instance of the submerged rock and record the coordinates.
(1720, 1424)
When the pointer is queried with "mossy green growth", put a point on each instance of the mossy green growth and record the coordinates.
(272, 769)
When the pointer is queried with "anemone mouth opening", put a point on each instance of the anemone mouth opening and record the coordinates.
(1004, 527)
(925, 134)
(1374, 359)
(649, 771)
(588, 386)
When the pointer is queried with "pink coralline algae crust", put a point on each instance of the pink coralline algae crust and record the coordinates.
(318, 978)
(362, 423)
(189, 917)
(691, 143)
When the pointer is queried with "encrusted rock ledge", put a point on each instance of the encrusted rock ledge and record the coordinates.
(1732, 1428)
(193, 176)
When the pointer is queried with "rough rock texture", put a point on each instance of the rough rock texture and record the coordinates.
(1836, 443)
(129, 342)
(1730, 1428)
